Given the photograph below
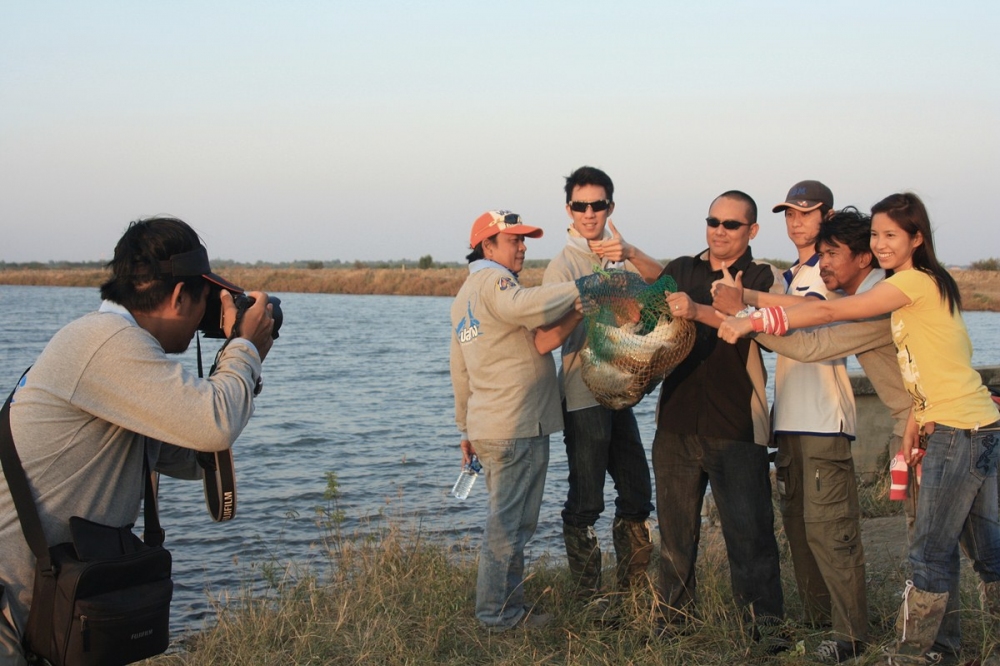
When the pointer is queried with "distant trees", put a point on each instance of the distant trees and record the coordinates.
(426, 261)
(991, 264)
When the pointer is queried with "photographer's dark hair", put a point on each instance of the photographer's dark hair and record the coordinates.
(851, 228)
(137, 281)
(588, 175)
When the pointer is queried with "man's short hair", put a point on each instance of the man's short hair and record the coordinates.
(746, 199)
(588, 175)
(849, 227)
(138, 281)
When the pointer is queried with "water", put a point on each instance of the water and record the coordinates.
(356, 385)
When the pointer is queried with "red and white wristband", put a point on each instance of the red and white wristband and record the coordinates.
(769, 320)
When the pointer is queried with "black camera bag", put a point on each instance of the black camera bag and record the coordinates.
(102, 599)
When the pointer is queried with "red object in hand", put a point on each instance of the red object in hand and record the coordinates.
(900, 475)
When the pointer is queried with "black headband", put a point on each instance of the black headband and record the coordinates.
(195, 262)
(187, 264)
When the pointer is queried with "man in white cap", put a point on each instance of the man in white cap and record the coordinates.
(506, 404)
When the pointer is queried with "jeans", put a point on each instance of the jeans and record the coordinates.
(741, 486)
(602, 441)
(515, 478)
(956, 507)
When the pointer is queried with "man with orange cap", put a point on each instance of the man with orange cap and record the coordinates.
(506, 404)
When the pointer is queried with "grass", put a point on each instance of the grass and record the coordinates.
(392, 597)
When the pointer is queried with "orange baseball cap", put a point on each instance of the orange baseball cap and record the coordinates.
(493, 222)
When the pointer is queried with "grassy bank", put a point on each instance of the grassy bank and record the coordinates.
(980, 288)
(394, 599)
(391, 597)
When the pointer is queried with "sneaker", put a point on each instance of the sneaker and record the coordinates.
(838, 652)
(929, 658)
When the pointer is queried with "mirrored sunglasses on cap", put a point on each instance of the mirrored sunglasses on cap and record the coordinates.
(507, 221)
(596, 206)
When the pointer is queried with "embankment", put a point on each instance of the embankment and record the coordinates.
(980, 289)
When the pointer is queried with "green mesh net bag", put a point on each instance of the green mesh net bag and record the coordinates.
(632, 341)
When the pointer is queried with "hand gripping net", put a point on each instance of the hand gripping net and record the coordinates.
(632, 341)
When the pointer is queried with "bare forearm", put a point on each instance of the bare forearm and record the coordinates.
(548, 338)
(648, 267)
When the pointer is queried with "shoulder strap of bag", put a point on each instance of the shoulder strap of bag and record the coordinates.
(27, 512)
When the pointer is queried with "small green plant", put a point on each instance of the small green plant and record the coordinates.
(330, 517)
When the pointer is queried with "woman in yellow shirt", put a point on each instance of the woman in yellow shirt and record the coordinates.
(954, 426)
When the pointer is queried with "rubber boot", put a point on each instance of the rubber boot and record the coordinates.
(584, 555)
(917, 625)
(633, 549)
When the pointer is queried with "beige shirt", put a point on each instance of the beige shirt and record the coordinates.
(570, 264)
(504, 389)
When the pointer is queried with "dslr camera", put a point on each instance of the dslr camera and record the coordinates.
(211, 323)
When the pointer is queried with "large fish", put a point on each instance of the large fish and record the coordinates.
(621, 365)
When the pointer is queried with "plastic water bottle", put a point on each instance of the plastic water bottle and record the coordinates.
(465, 480)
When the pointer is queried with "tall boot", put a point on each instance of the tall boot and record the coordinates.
(633, 548)
(584, 555)
(917, 625)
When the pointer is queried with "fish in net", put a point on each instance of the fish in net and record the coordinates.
(632, 340)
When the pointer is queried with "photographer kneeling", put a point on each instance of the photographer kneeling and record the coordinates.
(103, 394)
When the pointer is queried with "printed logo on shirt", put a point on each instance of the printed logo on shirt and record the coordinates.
(505, 283)
(21, 383)
(468, 328)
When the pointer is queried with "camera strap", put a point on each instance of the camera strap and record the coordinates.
(219, 469)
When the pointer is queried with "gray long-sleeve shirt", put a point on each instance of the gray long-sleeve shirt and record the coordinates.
(101, 387)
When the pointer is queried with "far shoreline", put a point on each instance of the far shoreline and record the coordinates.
(980, 289)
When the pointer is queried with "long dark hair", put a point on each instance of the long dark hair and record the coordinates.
(908, 211)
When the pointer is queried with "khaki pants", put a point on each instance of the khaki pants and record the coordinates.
(819, 507)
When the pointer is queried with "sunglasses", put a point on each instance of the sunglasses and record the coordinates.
(731, 225)
(507, 221)
(596, 206)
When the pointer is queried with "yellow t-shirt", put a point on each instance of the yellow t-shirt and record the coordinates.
(935, 357)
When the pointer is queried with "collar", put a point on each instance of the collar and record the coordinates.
(740, 264)
(789, 274)
(873, 278)
(483, 264)
(581, 244)
(115, 308)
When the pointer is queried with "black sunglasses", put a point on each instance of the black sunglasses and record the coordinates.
(731, 225)
(597, 206)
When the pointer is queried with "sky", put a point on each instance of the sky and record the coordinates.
(376, 130)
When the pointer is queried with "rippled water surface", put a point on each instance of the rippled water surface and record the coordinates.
(356, 385)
